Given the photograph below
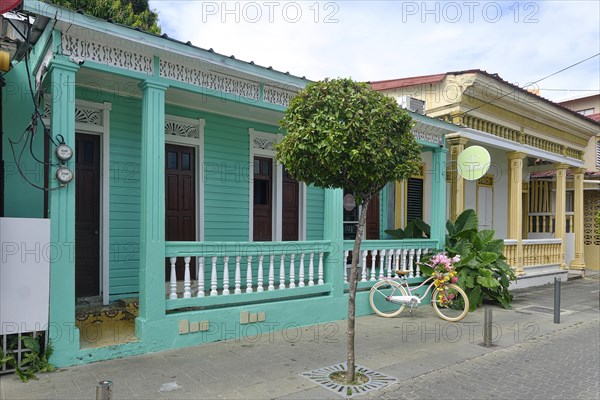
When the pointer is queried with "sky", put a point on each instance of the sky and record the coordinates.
(522, 41)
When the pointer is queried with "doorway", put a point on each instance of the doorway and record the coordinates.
(87, 215)
(263, 200)
(290, 207)
(180, 200)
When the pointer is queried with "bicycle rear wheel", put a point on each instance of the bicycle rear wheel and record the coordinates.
(378, 297)
(450, 303)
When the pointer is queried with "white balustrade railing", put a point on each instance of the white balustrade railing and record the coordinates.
(376, 264)
(289, 263)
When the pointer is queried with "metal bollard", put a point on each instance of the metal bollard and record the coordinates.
(104, 390)
(557, 284)
(487, 327)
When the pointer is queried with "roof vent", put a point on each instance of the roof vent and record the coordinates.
(412, 104)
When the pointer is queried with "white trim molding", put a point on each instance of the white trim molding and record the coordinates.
(81, 49)
(94, 119)
(208, 78)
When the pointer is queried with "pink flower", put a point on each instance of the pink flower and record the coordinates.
(454, 279)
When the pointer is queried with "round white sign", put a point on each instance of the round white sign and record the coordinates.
(473, 162)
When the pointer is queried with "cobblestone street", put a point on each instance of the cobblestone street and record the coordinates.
(561, 365)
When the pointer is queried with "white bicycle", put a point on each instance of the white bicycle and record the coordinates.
(390, 296)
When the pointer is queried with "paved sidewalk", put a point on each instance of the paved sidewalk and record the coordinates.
(412, 350)
(560, 365)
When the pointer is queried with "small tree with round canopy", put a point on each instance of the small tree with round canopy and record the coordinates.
(342, 134)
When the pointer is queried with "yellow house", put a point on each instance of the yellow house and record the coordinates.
(524, 134)
(589, 106)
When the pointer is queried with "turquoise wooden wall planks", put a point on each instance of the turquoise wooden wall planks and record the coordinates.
(226, 183)
(21, 199)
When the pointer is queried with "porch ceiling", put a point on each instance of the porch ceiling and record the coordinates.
(94, 82)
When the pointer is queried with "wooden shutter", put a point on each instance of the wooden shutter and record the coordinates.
(414, 199)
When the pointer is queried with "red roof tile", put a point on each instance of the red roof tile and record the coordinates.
(595, 117)
(398, 83)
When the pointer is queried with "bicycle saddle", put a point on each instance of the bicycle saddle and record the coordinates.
(398, 272)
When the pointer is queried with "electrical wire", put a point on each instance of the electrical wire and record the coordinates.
(18, 164)
(529, 84)
(36, 101)
(29, 132)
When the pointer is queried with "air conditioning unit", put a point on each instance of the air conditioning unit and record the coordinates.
(412, 104)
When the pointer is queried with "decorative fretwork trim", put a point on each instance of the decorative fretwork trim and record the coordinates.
(486, 180)
(83, 114)
(427, 136)
(47, 109)
(277, 96)
(88, 116)
(591, 206)
(262, 142)
(210, 79)
(183, 129)
(103, 53)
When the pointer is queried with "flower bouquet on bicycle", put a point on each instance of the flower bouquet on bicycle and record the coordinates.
(390, 296)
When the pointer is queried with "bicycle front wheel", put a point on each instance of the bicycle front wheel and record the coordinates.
(378, 297)
(450, 303)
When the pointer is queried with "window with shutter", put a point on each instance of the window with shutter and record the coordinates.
(415, 191)
(414, 199)
(598, 153)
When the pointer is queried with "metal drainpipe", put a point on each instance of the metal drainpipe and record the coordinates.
(2, 83)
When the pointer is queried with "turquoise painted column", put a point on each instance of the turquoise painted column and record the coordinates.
(63, 332)
(438, 202)
(152, 211)
(333, 230)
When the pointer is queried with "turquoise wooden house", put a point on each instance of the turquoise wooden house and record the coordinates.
(177, 200)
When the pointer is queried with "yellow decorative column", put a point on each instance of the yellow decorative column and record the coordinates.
(457, 183)
(515, 205)
(559, 216)
(578, 262)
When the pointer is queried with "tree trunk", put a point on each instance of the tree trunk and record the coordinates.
(352, 290)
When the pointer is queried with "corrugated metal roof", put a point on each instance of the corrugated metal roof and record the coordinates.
(163, 36)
